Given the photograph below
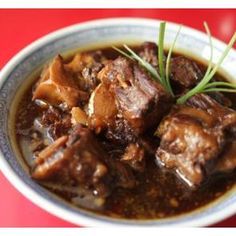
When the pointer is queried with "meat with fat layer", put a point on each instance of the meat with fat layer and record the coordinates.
(58, 86)
(85, 67)
(193, 137)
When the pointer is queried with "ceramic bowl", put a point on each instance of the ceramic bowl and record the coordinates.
(17, 73)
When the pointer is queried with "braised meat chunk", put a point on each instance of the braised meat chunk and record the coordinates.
(79, 159)
(58, 86)
(76, 159)
(148, 52)
(188, 144)
(193, 137)
(140, 99)
(185, 72)
(225, 116)
(85, 67)
(144, 102)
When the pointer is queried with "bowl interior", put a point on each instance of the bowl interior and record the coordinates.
(18, 73)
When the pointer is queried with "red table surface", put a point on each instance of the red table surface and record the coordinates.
(21, 27)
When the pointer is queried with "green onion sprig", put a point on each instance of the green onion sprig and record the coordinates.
(164, 67)
(205, 85)
(163, 76)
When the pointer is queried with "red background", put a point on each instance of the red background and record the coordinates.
(21, 27)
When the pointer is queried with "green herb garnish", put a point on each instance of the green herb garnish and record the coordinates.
(161, 54)
(164, 67)
(205, 86)
(168, 61)
(163, 76)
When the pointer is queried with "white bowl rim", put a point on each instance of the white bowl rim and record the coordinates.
(53, 208)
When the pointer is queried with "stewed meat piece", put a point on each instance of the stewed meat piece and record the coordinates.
(185, 72)
(188, 143)
(104, 116)
(193, 137)
(143, 102)
(70, 83)
(227, 120)
(140, 100)
(58, 86)
(225, 117)
(149, 51)
(77, 159)
(85, 67)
